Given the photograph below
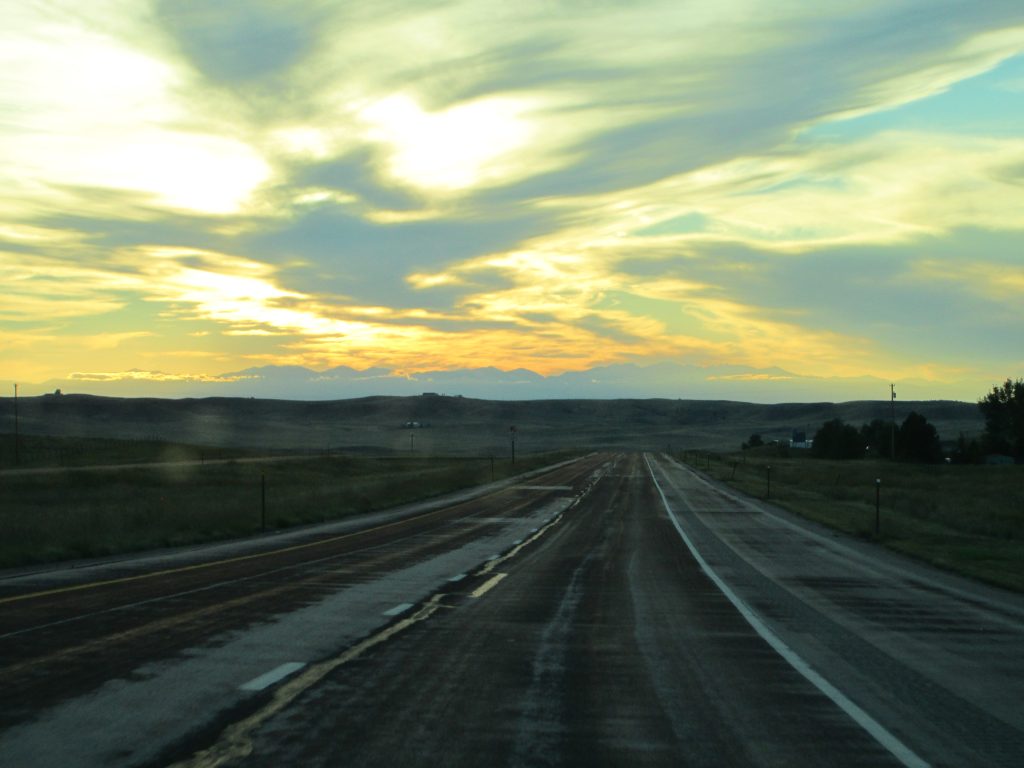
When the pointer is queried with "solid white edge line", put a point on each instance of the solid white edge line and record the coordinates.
(876, 730)
(832, 543)
(273, 676)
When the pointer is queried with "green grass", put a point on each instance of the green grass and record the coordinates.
(88, 513)
(36, 451)
(967, 519)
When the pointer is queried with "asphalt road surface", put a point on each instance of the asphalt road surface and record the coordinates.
(618, 610)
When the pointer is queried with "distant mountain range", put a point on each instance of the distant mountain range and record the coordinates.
(662, 380)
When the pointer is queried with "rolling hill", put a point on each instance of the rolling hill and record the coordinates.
(454, 425)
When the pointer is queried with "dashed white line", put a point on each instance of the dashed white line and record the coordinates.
(273, 676)
(876, 730)
(400, 608)
(457, 577)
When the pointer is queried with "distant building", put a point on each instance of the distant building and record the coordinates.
(799, 440)
(998, 460)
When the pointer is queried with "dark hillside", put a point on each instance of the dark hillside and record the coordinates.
(454, 425)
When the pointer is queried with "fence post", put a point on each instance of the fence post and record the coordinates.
(878, 504)
(263, 501)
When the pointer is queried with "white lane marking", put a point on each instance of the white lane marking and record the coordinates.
(457, 577)
(400, 608)
(542, 487)
(867, 561)
(273, 676)
(488, 585)
(876, 730)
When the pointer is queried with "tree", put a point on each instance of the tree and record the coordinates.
(836, 440)
(877, 438)
(755, 441)
(917, 440)
(1003, 409)
(966, 451)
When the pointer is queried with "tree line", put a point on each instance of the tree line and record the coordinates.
(916, 440)
(913, 440)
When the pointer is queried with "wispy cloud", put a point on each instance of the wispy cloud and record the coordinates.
(139, 375)
(468, 184)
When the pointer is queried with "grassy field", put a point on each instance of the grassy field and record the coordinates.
(87, 513)
(968, 519)
(450, 426)
(35, 451)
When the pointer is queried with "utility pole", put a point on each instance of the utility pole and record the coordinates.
(878, 505)
(892, 400)
(17, 438)
(513, 432)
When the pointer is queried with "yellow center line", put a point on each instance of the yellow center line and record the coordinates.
(236, 740)
(212, 563)
(488, 585)
(229, 560)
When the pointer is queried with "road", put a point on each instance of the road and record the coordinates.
(619, 610)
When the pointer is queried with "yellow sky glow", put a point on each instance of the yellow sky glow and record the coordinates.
(732, 184)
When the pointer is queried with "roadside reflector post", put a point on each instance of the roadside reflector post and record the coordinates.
(768, 489)
(878, 504)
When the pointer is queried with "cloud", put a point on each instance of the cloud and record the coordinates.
(95, 109)
(236, 42)
(423, 187)
(158, 376)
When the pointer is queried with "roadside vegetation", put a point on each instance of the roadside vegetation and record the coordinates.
(961, 509)
(37, 451)
(965, 518)
(73, 513)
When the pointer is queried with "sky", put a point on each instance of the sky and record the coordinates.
(815, 192)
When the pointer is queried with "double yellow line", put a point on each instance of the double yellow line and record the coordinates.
(213, 563)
